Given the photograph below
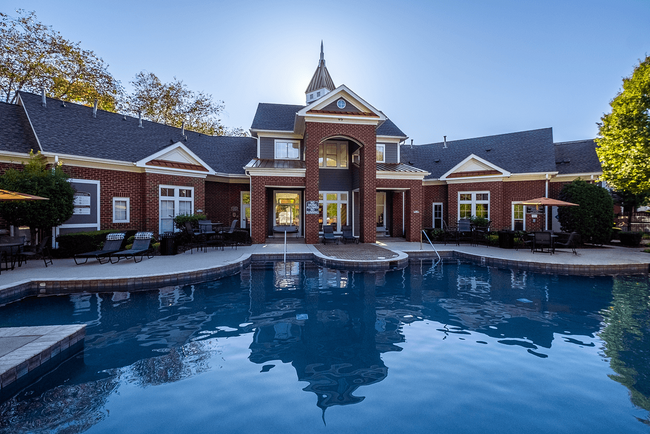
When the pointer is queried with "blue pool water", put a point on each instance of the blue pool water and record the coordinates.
(295, 348)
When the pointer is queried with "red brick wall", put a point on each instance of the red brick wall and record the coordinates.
(437, 194)
(220, 197)
(141, 188)
(315, 134)
(259, 202)
(396, 220)
(414, 204)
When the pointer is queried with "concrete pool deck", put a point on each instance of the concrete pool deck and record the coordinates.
(64, 276)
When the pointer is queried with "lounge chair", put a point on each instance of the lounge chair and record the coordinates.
(41, 249)
(571, 243)
(112, 244)
(141, 246)
(328, 234)
(348, 236)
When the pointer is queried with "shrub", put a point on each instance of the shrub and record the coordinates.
(479, 221)
(630, 239)
(180, 220)
(81, 242)
(593, 219)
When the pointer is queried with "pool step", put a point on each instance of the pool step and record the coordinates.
(26, 352)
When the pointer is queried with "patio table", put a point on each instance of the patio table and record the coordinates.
(14, 250)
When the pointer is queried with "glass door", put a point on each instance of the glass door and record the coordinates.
(381, 211)
(287, 209)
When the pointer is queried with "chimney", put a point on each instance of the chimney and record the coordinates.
(95, 108)
(183, 129)
(140, 119)
(411, 143)
(43, 99)
(444, 146)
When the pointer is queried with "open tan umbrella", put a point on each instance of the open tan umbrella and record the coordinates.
(6, 195)
(545, 201)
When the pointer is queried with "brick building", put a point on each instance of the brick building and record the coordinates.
(335, 161)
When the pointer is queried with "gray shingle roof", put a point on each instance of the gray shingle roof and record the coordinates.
(72, 130)
(398, 167)
(388, 128)
(577, 157)
(15, 133)
(275, 117)
(522, 152)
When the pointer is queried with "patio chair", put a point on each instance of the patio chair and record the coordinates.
(141, 246)
(571, 243)
(328, 234)
(543, 240)
(464, 231)
(11, 250)
(112, 244)
(348, 236)
(229, 235)
(197, 239)
(41, 250)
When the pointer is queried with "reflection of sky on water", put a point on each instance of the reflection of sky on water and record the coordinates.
(334, 328)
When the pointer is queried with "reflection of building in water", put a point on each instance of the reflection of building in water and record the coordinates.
(333, 337)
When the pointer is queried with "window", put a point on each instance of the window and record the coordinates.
(174, 201)
(380, 215)
(121, 210)
(333, 155)
(381, 153)
(474, 204)
(287, 208)
(245, 209)
(518, 217)
(437, 216)
(333, 209)
(287, 150)
(356, 156)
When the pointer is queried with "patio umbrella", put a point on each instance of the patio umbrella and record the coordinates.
(6, 195)
(545, 201)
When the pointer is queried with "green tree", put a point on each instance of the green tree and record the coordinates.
(33, 56)
(624, 135)
(173, 103)
(630, 202)
(36, 178)
(593, 218)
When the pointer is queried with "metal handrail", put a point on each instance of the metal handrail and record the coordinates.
(432, 246)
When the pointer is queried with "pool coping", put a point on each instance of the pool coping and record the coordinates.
(41, 349)
(35, 287)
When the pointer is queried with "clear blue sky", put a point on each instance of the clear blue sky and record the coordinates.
(456, 68)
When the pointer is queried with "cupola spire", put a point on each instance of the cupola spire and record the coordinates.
(321, 83)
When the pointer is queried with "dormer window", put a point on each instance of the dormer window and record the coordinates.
(318, 94)
(287, 150)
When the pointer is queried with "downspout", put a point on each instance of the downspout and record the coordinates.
(403, 211)
(546, 207)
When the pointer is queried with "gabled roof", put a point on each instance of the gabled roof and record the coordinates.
(577, 157)
(15, 132)
(71, 129)
(275, 117)
(521, 152)
(388, 128)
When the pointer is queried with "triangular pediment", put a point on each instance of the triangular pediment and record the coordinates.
(176, 157)
(352, 105)
(474, 166)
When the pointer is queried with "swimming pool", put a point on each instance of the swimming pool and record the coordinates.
(295, 348)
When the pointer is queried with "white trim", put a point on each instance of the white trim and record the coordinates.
(20, 100)
(390, 139)
(242, 213)
(512, 215)
(433, 214)
(474, 202)
(300, 207)
(276, 133)
(176, 200)
(128, 209)
(401, 175)
(96, 226)
(336, 94)
(292, 142)
(177, 145)
(171, 171)
(383, 152)
(290, 173)
(258, 146)
(338, 202)
(479, 159)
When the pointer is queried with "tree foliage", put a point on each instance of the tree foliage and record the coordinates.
(36, 178)
(33, 56)
(593, 219)
(173, 103)
(624, 136)
(630, 202)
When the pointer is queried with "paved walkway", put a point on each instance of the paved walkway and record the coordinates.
(607, 258)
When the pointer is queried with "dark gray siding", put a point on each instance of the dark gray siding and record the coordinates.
(267, 147)
(335, 180)
(391, 152)
(355, 177)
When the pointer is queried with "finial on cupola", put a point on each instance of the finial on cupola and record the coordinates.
(322, 53)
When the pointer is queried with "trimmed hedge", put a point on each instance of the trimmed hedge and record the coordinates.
(630, 239)
(81, 242)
